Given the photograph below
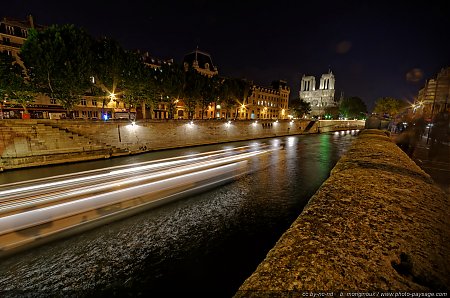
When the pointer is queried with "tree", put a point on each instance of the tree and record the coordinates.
(192, 91)
(388, 106)
(331, 112)
(108, 69)
(7, 73)
(169, 85)
(137, 82)
(227, 95)
(300, 108)
(209, 91)
(13, 83)
(353, 107)
(22, 97)
(233, 93)
(59, 62)
(173, 85)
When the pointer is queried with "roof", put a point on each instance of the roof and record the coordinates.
(151, 60)
(202, 59)
(26, 23)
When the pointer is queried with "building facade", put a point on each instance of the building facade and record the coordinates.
(13, 33)
(321, 98)
(263, 102)
(434, 96)
(266, 102)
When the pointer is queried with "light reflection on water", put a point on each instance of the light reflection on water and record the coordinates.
(208, 242)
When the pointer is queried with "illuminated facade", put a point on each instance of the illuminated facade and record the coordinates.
(435, 92)
(321, 98)
(266, 102)
(13, 33)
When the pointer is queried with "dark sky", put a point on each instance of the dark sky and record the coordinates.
(374, 48)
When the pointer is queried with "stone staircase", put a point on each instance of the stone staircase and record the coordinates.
(309, 126)
(25, 143)
(32, 138)
(93, 137)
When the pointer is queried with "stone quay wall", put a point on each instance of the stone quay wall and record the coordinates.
(377, 224)
(27, 143)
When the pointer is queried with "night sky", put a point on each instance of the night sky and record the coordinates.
(374, 48)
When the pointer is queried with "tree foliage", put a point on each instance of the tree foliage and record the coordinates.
(353, 108)
(62, 60)
(299, 108)
(109, 65)
(59, 62)
(331, 112)
(233, 93)
(388, 106)
(13, 83)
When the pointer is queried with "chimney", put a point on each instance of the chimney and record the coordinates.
(31, 21)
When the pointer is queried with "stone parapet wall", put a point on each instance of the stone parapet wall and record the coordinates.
(157, 134)
(336, 125)
(378, 223)
(25, 143)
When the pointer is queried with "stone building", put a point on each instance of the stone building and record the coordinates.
(436, 92)
(14, 32)
(152, 61)
(321, 98)
(266, 102)
(200, 61)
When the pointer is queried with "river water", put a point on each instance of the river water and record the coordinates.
(206, 244)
